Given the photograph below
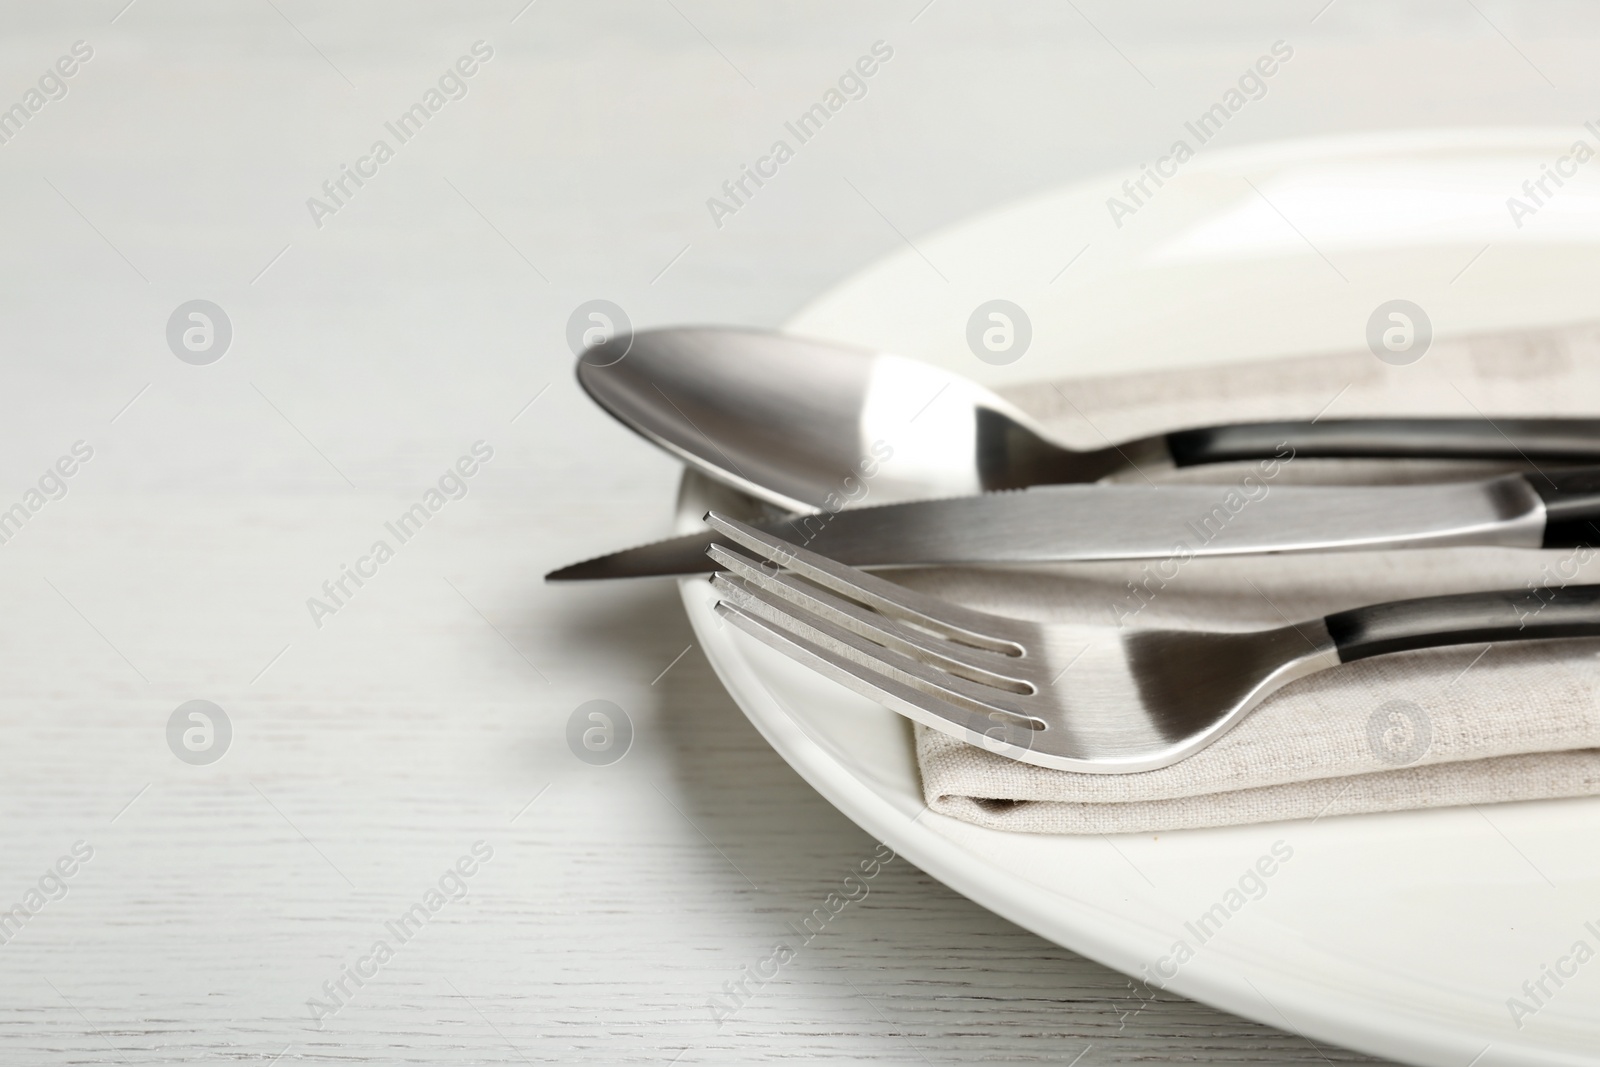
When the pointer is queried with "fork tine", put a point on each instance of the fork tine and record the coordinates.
(952, 620)
(909, 673)
(978, 665)
(964, 723)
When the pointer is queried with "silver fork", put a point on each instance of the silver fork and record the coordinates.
(1132, 700)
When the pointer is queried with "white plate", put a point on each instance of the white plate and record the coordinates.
(1401, 935)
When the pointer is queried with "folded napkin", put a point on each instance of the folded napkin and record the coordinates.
(1472, 724)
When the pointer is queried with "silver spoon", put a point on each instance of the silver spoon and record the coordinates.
(806, 424)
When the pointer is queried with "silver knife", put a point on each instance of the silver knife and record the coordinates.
(1074, 523)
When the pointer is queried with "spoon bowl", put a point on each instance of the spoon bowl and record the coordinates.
(805, 424)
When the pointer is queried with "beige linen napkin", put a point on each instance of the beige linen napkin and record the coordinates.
(1467, 725)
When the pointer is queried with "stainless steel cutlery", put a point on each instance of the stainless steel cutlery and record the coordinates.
(797, 422)
(961, 476)
(1094, 699)
(1078, 523)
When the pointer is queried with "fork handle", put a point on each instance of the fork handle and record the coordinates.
(1513, 440)
(1534, 613)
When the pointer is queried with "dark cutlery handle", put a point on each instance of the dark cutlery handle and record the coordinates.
(1467, 618)
(1571, 506)
(1533, 440)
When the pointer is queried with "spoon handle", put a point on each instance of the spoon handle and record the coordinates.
(1512, 440)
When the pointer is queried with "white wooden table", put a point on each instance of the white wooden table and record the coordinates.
(428, 712)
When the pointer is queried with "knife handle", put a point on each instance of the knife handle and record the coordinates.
(1535, 613)
(1513, 440)
(1571, 506)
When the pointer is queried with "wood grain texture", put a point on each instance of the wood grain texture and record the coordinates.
(430, 711)
(375, 752)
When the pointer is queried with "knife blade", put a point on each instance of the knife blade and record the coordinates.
(1076, 523)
